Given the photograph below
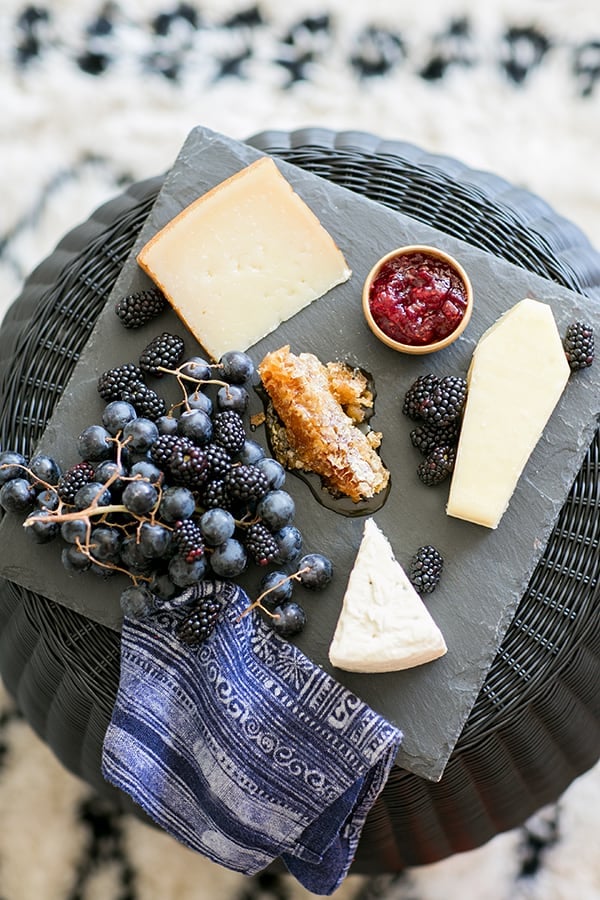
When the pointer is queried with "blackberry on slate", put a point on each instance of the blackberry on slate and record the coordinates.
(187, 540)
(579, 345)
(188, 464)
(163, 352)
(114, 382)
(436, 467)
(215, 495)
(425, 569)
(163, 447)
(219, 460)
(74, 478)
(246, 483)
(229, 431)
(200, 622)
(145, 401)
(134, 310)
(426, 438)
(261, 544)
(445, 402)
(417, 393)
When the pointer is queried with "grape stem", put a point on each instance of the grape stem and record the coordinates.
(258, 604)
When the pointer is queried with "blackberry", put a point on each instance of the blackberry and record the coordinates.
(163, 447)
(145, 401)
(417, 393)
(163, 352)
(436, 467)
(426, 438)
(219, 460)
(187, 540)
(246, 483)
(214, 495)
(114, 382)
(188, 464)
(135, 310)
(229, 431)
(260, 543)
(445, 402)
(425, 569)
(73, 479)
(200, 623)
(579, 345)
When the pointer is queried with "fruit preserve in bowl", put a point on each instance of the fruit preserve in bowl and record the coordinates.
(417, 299)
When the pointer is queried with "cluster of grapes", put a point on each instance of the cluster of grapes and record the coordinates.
(170, 497)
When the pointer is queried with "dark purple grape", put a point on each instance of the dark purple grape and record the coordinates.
(17, 495)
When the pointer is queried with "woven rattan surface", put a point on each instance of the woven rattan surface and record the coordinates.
(536, 722)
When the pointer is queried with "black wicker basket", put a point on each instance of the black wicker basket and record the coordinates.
(536, 723)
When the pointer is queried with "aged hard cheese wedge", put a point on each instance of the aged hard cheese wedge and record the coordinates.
(243, 258)
(384, 625)
(517, 375)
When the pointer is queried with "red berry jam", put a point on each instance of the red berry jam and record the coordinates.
(417, 299)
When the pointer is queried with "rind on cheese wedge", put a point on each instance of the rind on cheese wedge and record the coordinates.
(384, 625)
(243, 258)
(516, 377)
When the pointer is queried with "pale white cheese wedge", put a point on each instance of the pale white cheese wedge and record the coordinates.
(517, 375)
(384, 625)
(243, 258)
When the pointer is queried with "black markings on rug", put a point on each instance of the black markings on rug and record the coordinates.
(104, 846)
(378, 51)
(265, 886)
(540, 833)
(174, 38)
(524, 50)
(6, 719)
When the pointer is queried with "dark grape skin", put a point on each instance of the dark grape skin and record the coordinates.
(176, 503)
(236, 367)
(233, 397)
(184, 574)
(279, 587)
(43, 529)
(11, 465)
(17, 495)
(319, 571)
(74, 530)
(95, 443)
(140, 434)
(136, 601)
(45, 468)
(289, 619)
(276, 509)
(155, 540)
(217, 526)
(116, 415)
(196, 425)
(105, 543)
(229, 559)
(74, 560)
(140, 497)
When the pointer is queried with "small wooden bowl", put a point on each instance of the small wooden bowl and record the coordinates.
(417, 349)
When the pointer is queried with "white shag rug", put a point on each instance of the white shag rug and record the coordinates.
(97, 94)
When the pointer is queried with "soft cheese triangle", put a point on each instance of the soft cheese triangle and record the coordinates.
(384, 625)
(517, 375)
(243, 258)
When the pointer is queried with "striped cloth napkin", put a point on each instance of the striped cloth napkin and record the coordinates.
(241, 747)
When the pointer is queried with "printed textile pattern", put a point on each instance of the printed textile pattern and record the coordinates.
(242, 748)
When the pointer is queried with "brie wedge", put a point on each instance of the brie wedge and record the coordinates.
(384, 625)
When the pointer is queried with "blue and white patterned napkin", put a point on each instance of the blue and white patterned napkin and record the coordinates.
(241, 747)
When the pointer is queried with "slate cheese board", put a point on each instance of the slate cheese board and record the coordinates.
(486, 571)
